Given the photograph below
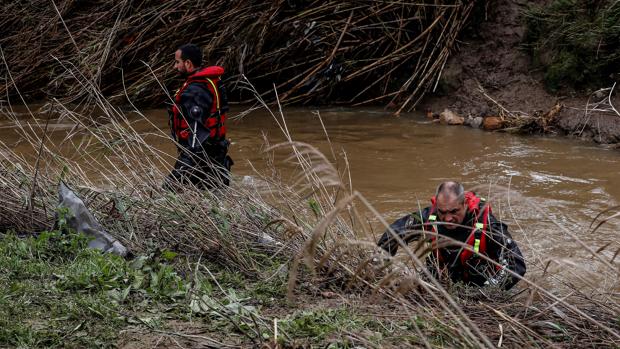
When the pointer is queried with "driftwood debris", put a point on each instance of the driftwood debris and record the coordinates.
(312, 51)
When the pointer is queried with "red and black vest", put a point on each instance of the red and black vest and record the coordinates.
(477, 208)
(210, 78)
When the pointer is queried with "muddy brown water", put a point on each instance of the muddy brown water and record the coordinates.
(396, 162)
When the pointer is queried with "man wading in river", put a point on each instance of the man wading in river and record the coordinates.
(462, 216)
(197, 123)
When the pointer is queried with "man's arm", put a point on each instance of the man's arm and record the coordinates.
(195, 105)
(407, 228)
(504, 250)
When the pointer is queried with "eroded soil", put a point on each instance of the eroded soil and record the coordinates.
(492, 57)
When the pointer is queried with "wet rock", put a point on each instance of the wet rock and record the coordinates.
(491, 123)
(476, 122)
(448, 117)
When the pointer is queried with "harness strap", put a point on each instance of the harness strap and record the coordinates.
(217, 113)
(432, 219)
(217, 95)
(478, 242)
(477, 236)
(215, 91)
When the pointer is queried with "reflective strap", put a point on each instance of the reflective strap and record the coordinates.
(479, 227)
(433, 218)
(217, 95)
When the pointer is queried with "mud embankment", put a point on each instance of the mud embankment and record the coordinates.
(491, 58)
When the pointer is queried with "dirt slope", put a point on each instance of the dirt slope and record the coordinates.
(490, 56)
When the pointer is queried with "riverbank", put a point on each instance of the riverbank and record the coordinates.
(58, 293)
(492, 74)
(55, 292)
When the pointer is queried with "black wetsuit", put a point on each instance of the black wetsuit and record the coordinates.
(202, 160)
(500, 247)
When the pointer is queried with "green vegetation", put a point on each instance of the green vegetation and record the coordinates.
(321, 323)
(54, 291)
(575, 42)
(335, 325)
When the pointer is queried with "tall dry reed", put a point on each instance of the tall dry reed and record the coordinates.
(313, 222)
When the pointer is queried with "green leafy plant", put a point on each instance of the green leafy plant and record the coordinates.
(575, 42)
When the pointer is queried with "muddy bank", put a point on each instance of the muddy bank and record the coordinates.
(491, 57)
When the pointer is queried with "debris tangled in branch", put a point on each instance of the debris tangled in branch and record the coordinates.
(377, 52)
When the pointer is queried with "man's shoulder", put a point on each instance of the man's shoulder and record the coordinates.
(419, 215)
(195, 89)
(196, 86)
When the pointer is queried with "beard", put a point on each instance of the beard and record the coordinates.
(184, 74)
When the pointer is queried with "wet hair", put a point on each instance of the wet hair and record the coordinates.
(192, 53)
(450, 187)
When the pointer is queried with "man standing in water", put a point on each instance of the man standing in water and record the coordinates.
(456, 215)
(197, 123)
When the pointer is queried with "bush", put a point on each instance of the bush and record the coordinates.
(57, 292)
(575, 42)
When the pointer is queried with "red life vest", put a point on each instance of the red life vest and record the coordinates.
(210, 78)
(477, 237)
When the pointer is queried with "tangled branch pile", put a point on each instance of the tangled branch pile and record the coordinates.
(351, 52)
(521, 122)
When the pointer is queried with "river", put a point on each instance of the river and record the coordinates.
(558, 185)
(396, 163)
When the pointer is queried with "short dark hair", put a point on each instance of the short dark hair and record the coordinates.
(191, 52)
(454, 188)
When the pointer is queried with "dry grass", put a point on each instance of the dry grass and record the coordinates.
(314, 222)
